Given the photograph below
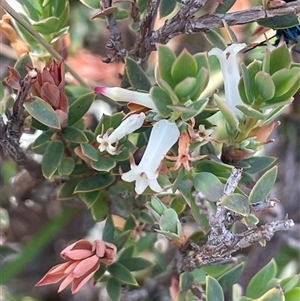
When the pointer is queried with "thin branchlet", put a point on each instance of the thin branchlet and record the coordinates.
(221, 242)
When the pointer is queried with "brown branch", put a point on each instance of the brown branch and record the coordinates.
(10, 132)
(142, 47)
(174, 28)
(222, 243)
(115, 43)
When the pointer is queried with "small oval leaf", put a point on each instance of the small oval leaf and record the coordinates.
(95, 182)
(214, 291)
(73, 134)
(137, 76)
(121, 273)
(135, 263)
(209, 186)
(113, 288)
(265, 85)
(237, 203)
(52, 158)
(80, 106)
(257, 285)
(263, 186)
(43, 112)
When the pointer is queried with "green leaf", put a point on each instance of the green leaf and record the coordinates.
(293, 295)
(263, 186)
(247, 83)
(113, 288)
(166, 7)
(200, 218)
(33, 7)
(80, 106)
(184, 88)
(108, 122)
(104, 163)
(219, 169)
(120, 240)
(184, 66)
(66, 166)
(121, 273)
(185, 281)
(280, 58)
(194, 109)
(43, 138)
(67, 189)
(21, 64)
(289, 283)
(73, 134)
(90, 197)
(46, 26)
(227, 112)
(259, 163)
(80, 169)
(229, 278)
(168, 221)
(274, 294)
(237, 203)
(121, 14)
(52, 158)
(90, 151)
(215, 39)
(126, 253)
(142, 5)
(109, 230)
(136, 75)
(161, 100)
(214, 291)
(202, 79)
(166, 59)
(248, 111)
(209, 186)
(43, 112)
(280, 22)
(265, 85)
(100, 207)
(95, 182)
(284, 80)
(91, 3)
(225, 6)
(135, 263)
(257, 285)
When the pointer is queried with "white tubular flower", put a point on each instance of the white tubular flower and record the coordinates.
(126, 127)
(124, 95)
(163, 136)
(230, 70)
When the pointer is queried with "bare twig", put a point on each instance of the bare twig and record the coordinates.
(142, 48)
(10, 133)
(115, 43)
(174, 28)
(222, 243)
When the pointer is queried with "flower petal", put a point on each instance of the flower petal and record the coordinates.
(124, 95)
(78, 254)
(163, 136)
(80, 244)
(65, 283)
(85, 266)
(99, 247)
(127, 126)
(78, 283)
(230, 70)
